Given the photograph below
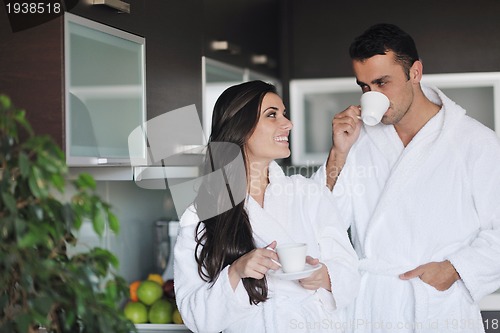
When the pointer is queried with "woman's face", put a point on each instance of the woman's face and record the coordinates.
(269, 140)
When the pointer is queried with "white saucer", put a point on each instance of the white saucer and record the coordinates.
(308, 270)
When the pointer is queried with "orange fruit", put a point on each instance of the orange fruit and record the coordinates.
(133, 290)
(156, 278)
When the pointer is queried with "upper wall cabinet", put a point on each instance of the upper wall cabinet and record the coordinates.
(104, 92)
(314, 102)
(32, 64)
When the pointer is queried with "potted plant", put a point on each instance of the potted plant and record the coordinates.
(42, 288)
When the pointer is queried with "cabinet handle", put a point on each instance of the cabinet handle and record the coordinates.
(122, 6)
(263, 59)
(224, 45)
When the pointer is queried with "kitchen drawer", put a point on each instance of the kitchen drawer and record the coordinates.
(161, 328)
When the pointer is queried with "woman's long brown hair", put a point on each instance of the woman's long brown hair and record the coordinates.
(227, 236)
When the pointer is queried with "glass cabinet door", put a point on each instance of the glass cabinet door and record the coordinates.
(105, 91)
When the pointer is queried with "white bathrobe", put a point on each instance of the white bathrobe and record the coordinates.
(296, 209)
(437, 199)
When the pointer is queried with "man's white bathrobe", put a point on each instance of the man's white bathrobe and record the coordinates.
(437, 199)
(296, 209)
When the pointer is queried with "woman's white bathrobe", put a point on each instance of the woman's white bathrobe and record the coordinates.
(296, 209)
(436, 199)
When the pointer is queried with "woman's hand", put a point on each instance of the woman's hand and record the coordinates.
(253, 264)
(318, 279)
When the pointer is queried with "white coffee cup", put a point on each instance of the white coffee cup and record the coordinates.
(292, 257)
(373, 106)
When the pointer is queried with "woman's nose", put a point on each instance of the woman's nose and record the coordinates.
(287, 124)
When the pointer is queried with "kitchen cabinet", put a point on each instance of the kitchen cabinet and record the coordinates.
(104, 82)
(32, 61)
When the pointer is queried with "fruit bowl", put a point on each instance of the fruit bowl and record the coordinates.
(161, 328)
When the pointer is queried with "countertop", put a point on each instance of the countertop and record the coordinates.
(490, 302)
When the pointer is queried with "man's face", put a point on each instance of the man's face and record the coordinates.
(383, 74)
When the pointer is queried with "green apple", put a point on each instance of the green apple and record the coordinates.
(149, 292)
(136, 312)
(161, 312)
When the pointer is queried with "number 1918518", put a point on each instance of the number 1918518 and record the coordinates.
(33, 8)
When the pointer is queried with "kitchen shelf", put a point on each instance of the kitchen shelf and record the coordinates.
(161, 328)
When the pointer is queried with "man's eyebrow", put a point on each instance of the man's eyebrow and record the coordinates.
(378, 80)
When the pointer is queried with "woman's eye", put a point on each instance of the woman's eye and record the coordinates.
(272, 115)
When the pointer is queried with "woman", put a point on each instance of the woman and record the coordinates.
(226, 269)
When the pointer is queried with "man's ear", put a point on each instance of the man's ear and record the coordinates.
(416, 71)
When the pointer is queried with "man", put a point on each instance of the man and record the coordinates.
(421, 193)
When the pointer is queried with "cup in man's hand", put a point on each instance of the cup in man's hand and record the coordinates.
(292, 257)
(373, 106)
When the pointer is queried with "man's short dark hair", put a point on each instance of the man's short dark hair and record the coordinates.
(384, 37)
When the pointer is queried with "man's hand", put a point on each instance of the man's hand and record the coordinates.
(440, 275)
(346, 127)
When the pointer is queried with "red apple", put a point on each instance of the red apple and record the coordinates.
(168, 289)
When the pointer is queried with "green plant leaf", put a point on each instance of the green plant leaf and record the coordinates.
(23, 322)
(10, 202)
(42, 304)
(85, 180)
(29, 240)
(24, 164)
(37, 184)
(5, 101)
(58, 181)
(99, 222)
(114, 224)
(20, 117)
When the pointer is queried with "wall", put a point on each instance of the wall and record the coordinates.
(252, 25)
(451, 36)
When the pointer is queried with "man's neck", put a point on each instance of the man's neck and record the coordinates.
(421, 111)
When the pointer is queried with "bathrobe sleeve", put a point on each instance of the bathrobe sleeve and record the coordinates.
(341, 192)
(204, 307)
(477, 263)
(336, 250)
(337, 253)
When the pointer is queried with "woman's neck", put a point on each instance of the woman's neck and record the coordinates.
(258, 179)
